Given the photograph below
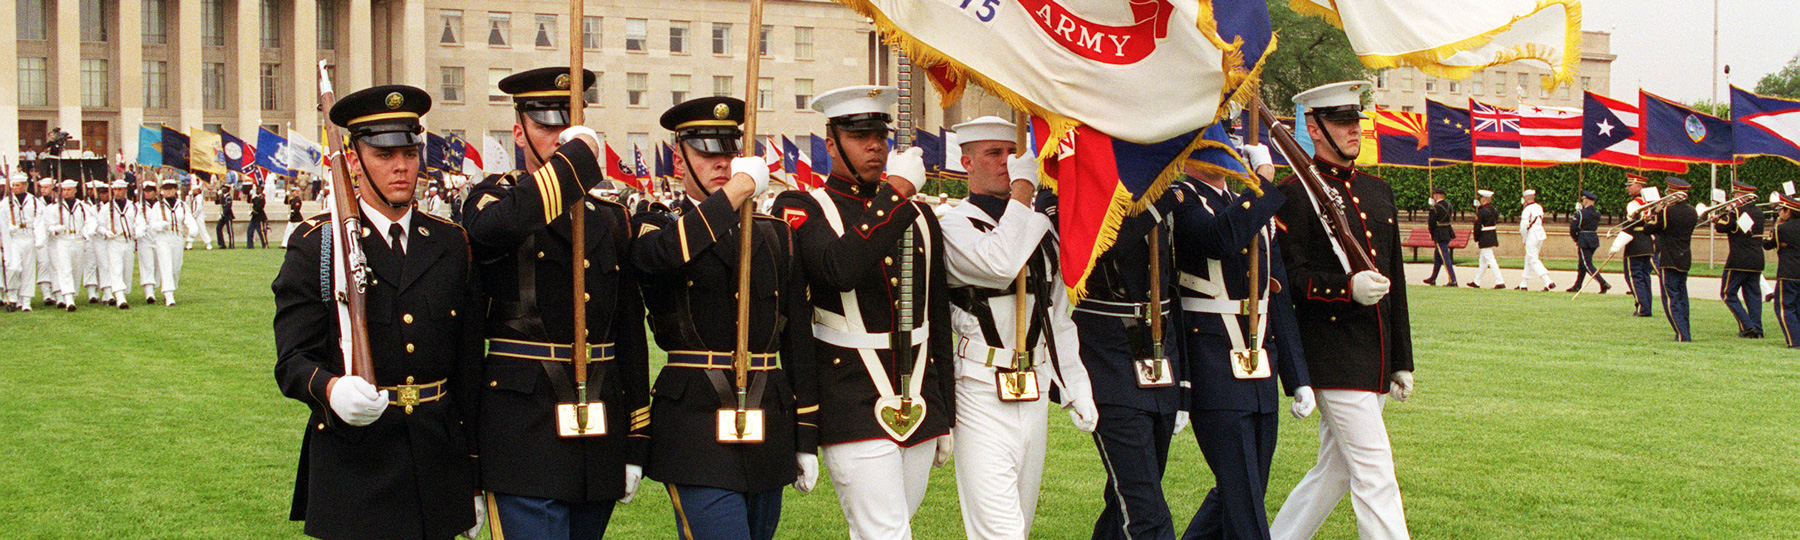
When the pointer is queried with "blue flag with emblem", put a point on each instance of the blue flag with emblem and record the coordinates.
(453, 153)
(933, 146)
(1675, 131)
(174, 149)
(435, 150)
(270, 149)
(1765, 126)
(149, 147)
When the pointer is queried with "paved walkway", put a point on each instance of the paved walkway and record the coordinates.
(1699, 288)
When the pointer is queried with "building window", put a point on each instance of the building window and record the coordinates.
(1406, 108)
(637, 34)
(1381, 80)
(592, 95)
(93, 21)
(803, 93)
(212, 23)
(1455, 86)
(271, 87)
(271, 24)
(635, 86)
(765, 93)
(1543, 80)
(493, 85)
(1524, 79)
(1406, 80)
(156, 85)
(93, 82)
(34, 78)
(591, 33)
(1562, 91)
(1430, 84)
(721, 85)
(1475, 85)
(452, 22)
(546, 32)
(34, 19)
(450, 88)
(155, 24)
(678, 88)
(499, 29)
(762, 40)
(327, 25)
(678, 34)
(721, 38)
(1587, 83)
(803, 43)
(212, 85)
(1499, 83)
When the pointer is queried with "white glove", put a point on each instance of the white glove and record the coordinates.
(909, 165)
(809, 472)
(572, 132)
(356, 401)
(480, 518)
(1023, 167)
(1257, 154)
(1181, 422)
(1084, 415)
(756, 168)
(946, 446)
(1619, 242)
(1403, 384)
(1303, 402)
(1368, 287)
(633, 475)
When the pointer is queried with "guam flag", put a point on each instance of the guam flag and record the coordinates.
(1765, 126)
(1675, 131)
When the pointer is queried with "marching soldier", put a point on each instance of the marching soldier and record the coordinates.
(1532, 233)
(880, 383)
(196, 201)
(1785, 241)
(259, 220)
(95, 200)
(1585, 230)
(293, 203)
(48, 195)
(146, 245)
(1438, 222)
(66, 227)
(539, 481)
(1673, 229)
(1000, 391)
(1233, 357)
(1741, 286)
(117, 226)
(19, 233)
(387, 461)
(1639, 247)
(688, 269)
(222, 229)
(1354, 328)
(1487, 237)
(166, 222)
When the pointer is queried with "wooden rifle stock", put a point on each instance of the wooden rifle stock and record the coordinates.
(1330, 203)
(349, 267)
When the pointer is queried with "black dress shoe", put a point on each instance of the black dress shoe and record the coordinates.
(124, 305)
(1472, 285)
(92, 300)
(1499, 286)
(1431, 281)
(71, 308)
(1572, 289)
(1604, 287)
(149, 300)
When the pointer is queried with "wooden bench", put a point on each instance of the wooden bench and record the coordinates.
(1421, 238)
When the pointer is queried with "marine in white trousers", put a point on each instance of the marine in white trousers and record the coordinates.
(1489, 265)
(1355, 457)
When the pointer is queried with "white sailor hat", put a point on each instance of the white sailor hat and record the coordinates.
(120, 184)
(96, 184)
(858, 108)
(68, 184)
(1337, 102)
(20, 178)
(986, 128)
(1484, 192)
(46, 182)
(170, 182)
(149, 184)
(1529, 193)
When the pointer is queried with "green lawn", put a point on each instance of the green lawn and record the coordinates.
(1536, 417)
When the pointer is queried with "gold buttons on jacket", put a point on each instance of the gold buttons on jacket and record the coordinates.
(492, 384)
(887, 260)
(587, 264)
(321, 426)
(406, 318)
(865, 226)
(585, 297)
(452, 313)
(540, 254)
(409, 347)
(879, 213)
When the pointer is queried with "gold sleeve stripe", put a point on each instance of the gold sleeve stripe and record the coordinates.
(682, 228)
(640, 425)
(550, 189)
(808, 424)
(807, 410)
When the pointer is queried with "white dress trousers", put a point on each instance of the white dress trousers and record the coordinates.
(1354, 457)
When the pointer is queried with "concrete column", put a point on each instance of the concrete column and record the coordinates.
(187, 85)
(9, 97)
(130, 38)
(304, 66)
(410, 52)
(361, 66)
(68, 67)
(248, 51)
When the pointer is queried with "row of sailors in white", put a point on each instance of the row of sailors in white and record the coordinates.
(58, 248)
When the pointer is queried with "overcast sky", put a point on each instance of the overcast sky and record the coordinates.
(1665, 46)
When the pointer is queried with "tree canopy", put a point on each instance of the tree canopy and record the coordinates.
(1784, 83)
(1309, 52)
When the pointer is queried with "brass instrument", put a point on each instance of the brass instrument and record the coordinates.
(1726, 208)
(1648, 209)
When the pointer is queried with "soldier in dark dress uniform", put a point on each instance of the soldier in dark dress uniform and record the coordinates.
(688, 270)
(1487, 237)
(1741, 286)
(1354, 328)
(1438, 222)
(1673, 228)
(1786, 243)
(1640, 250)
(394, 460)
(883, 419)
(1585, 231)
(541, 484)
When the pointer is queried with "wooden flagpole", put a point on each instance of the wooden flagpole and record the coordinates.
(740, 357)
(578, 351)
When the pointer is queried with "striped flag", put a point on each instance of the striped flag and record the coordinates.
(1495, 133)
(643, 171)
(798, 164)
(1549, 134)
(1611, 133)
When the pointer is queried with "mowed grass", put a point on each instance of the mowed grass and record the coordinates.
(1536, 417)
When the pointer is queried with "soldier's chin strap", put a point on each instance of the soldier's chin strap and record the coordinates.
(848, 165)
(1332, 141)
(360, 164)
(688, 163)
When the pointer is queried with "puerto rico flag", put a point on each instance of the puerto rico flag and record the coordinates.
(1495, 133)
(1610, 134)
(1549, 135)
(1765, 126)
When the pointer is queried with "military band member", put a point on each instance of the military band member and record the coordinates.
(1354, 328)
(542, 484)
(1001, 396)
(66, 227)
(1673, 229)
(1639, 247)
(1438, 222)
(19, 233)
(881, 394)
(388, 461)
(1585, 230)
(1741, 285)
(1487, 237)
(689, 278)
(1533, 234)
(1786, 243)
(117, 227)
(1235, 397)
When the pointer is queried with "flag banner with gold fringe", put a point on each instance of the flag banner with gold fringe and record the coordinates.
(1456, 38)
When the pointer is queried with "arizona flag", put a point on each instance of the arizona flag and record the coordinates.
(1765, 126)
(1495, 133)
(1675, 131)
(1610, 134)
(1549, 134)
(1404, 138)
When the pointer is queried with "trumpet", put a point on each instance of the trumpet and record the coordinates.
(1648, 209)
(1726, 208)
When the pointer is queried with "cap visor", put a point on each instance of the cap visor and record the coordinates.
(391, 139)
(549, 118)
(712, 145)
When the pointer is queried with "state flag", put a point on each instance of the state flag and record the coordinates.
(1765, 126)
(1456, 38)
(1495, 134)
(618, 170)
(1549, 135)
(1370, 152)
(1449, 132)
(821, 160)
(174, 149)
(1403, 138)
(304, 155)
(149, 147)
(502, 161)
(1676, 131)
(799, 165)
(436, 150)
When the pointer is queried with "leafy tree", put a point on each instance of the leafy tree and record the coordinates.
(1784, 83)
(1309, 52)
(1721, 110)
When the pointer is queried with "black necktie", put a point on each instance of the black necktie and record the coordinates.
(397, 234)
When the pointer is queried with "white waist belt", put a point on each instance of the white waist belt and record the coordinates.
(1220, 306)
(828, 327)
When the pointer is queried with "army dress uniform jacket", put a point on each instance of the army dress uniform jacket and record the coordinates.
(1439, 222)
(409, 474)
(520, 229)
(688, 270)
(1673, 228)
(1487, 226)
(1746, 242)
(1787, 249)
(1585, 228)
(1349, 346)
(1216, 225)
(1641, 244)
(865, 263)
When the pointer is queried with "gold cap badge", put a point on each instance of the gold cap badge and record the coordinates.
(395, 100)
(875, 92)
(721, 111)
(562, 81)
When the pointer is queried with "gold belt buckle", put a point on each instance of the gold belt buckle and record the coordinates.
(409, 396)
(1245, 307)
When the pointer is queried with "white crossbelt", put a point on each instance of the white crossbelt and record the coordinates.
(1215, 300)
(852, 333)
